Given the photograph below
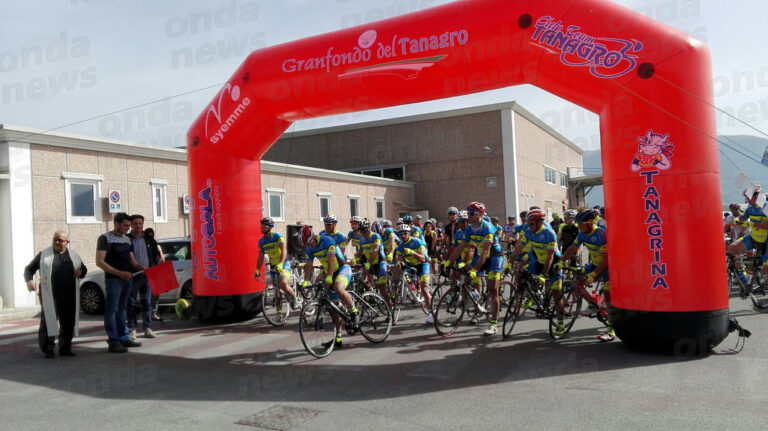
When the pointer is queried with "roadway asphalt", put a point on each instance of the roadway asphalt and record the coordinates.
(202, 377)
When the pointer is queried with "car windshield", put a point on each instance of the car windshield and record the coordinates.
(175, 250)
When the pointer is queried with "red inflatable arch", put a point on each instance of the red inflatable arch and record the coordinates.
(649, 83)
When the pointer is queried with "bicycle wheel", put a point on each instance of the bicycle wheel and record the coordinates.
(567, 310)
(396, 297)
(449, 312)
(375, 317)
(274, 305)
(513, 311)
(437, 293)
(316, 329)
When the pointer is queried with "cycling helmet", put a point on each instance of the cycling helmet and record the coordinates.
(535, 214)
(407, 219)
(585, 216)
(570, 213)
(453, 210)
(356, 218)
(434, 221)
(403, 228)
(494, 218)
(463, 216)
(386, 223)
(376, 226)
(429, 221)
(330, 218)
(734, 206)
(303, 235)
(267, 221)
(364, 224)
(476, 207)
(399, 221)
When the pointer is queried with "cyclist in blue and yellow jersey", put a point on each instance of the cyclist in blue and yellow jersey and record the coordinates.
(595, 239)
(389, 238)
(273, 245)
(339, 239)
(412, 252)
(416, 231)
(456, 253)
(353, 237)
(756, 240)
(541, 245)
(547, 224)
(499, 228)
(375, 262)
(481, 235)
(337, 272)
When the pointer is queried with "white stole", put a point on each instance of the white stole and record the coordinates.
(46, 293)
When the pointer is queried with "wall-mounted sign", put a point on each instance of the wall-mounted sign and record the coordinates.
(187, 203)
(115, 201)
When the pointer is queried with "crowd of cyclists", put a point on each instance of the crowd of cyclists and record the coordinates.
(470, 241)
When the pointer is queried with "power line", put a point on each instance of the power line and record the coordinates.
(122, 110)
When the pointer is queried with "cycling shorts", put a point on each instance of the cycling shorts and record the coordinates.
(284, 270)
(343, 274)
(591, 267)
(422, 270)
(759, 247)
(378, 269)
(491, 266)
(555, 272)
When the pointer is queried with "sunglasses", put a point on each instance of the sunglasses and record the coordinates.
(60, 240)
(403, 233)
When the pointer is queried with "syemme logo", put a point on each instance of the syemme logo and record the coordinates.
(208, 229)
(233, 91)
(606, 57)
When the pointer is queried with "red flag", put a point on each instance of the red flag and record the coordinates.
(161, 278)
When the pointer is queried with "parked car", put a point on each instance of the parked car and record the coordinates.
(176, 250)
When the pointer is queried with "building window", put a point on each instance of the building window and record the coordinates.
(354, 205)
(275, 204)
(395, 172)
(379, 207)
(159, 203)
(563, 179)
(550, 175)
(83, 201)
(325, 203)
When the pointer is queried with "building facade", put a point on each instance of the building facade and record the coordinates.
(501, 155)
(54, 181)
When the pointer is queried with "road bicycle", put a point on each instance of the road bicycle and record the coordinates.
(406, 290)
(528, 295)
(316, 319)
(568, 307)
(756, 287)
(460, 299)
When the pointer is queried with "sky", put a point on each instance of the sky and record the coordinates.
(103, 67)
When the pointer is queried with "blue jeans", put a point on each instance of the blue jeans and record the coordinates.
(114, 310)
(141, 294)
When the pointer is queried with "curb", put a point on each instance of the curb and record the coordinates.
(7, 314)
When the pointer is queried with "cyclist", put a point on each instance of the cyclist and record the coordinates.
(430, 238)
(337, 272)
(416, 231)
(481, 235)
(412, 252)
(353, 237)
(556, 221)
(756, 240)
(595, 239)
(567, 231)
(497, 225)
(273, 245)
(450, 227)
(375, 262)
(388, 237)
(601, 221)
(339, 239)
(540, 243)
(510, 237)
(733, 225)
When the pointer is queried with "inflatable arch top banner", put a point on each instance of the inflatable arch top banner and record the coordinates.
(649, 83)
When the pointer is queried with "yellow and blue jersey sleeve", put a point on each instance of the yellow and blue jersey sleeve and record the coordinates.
(755, 215)
(596, 243)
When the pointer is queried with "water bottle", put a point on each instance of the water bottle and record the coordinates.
(475, 294)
